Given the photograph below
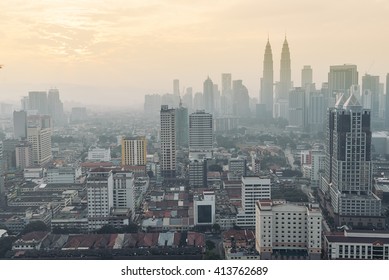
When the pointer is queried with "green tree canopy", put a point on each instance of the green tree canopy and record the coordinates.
(35, 226)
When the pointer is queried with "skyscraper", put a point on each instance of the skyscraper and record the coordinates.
(134, 151)
(23, 154)
(187, 99)
(20, 124)
(3, 197)
(182, 126)
(241, 99)
(38, 101)
(121, 184)
(267, 81)
(209, 103)
(371, 96)
(306, 76)
(253, 189)
(176, 87)
(226, 96)
(100, 201)
(200, 132)
(55, 106)
(387, 102)
(40, 139)
(168, 142)
(285, 83)
(297, 108)
(348, 172)
(340, 80)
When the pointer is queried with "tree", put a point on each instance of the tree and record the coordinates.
(210, 245)
(215, 168)
(209, 255)
(35, 226)
(6, 245)
(216, 228)
(107, 229)
(150, 173)
(131, 228)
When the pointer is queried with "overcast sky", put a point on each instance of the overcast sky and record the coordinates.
(116, 51)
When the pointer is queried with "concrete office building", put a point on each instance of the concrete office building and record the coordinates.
(347, 181)
(204, 208)
(253, 189)
(200, 132)
(20, 124)
(23, 152)
(134, 150)
(40, 139)
(168, 142)
(281, 227)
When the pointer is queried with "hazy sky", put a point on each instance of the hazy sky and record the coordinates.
(116, 51)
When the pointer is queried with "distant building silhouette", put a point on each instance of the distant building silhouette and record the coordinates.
(267, 82)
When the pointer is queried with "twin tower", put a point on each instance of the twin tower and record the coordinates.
(267, 98)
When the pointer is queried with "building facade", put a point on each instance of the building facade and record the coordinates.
(357, 245)
(168, 142)
(40, 139)
(200, 132)
(123, 190)
(134, 150)
(282, 226)
(204, 208)
(267, 82)
(253, 189)
(347, 181)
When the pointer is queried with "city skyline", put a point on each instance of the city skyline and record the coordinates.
(129, 49)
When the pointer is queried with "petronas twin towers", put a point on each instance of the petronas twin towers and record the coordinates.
(267, 97)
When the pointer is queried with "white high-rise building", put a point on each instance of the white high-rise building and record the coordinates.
(253, 189)
(282, 226)
(123, 191)
(100, 200)
(110, 192)
(168, 142)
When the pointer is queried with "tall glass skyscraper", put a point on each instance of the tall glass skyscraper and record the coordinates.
(285, 72)
(347, 180)
(267, 81)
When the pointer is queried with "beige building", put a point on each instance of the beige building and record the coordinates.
(134, 151)
(23, 153)
(40, 139)
(285, 229)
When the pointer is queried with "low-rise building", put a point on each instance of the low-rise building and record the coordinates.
(348, 244)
